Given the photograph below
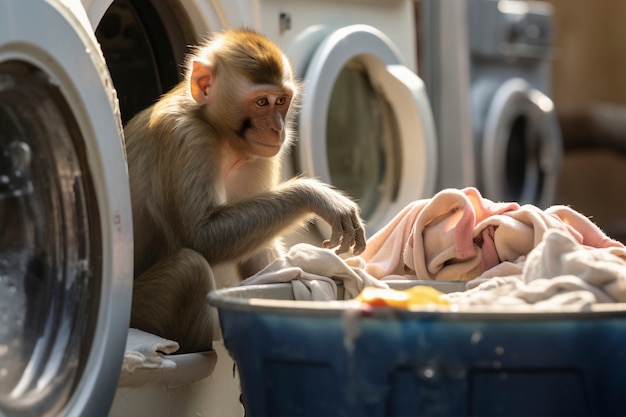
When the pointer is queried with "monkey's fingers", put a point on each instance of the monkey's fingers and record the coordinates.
(336, 235)
(360, 242)
(346, 243)
(356, 239)
(327, 245)
(350, 237)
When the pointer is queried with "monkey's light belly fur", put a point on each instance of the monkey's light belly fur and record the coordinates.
(303, 358)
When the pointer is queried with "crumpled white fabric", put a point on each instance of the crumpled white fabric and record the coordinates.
(558, 271)
(146, 350)
(312, 272)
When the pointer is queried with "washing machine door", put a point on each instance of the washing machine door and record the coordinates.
(521, 148)
(366, 124)
(65, 219)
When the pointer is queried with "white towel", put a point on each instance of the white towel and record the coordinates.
(311, 270)
(146, 350)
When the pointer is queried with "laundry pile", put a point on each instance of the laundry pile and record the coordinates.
(559, 271)
(509, 254)
(459, 235)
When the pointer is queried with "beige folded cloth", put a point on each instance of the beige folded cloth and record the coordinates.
(146, 350)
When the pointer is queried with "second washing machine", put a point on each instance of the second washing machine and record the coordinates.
(486, 64)
(518, 142)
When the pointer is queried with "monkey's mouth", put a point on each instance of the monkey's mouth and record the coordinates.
(263, 148)
(266, 141)
(265, 144)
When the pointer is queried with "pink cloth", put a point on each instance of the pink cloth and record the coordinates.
(459, 235)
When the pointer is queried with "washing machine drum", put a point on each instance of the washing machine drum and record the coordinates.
(65, 268)
(521, 145)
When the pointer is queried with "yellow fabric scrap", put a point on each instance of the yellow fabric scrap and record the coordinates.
(414, 297)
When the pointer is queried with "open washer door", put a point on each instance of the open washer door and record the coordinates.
(366, 125)
(66, 227)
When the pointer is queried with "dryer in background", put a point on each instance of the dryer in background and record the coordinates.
(65, 219)
(502, 75)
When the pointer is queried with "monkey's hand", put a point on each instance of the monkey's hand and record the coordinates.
(341, 213)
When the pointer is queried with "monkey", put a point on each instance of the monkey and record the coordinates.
(204, 165)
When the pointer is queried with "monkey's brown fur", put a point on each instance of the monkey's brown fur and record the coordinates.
(204, 167)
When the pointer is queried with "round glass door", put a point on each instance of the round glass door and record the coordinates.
(362, 140)
(522, 149)
(366, 125)
(65, 218)
(49, 246)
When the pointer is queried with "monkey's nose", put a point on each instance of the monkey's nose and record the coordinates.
(278, 124)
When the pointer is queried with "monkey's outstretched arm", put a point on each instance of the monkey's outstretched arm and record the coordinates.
(230, 231)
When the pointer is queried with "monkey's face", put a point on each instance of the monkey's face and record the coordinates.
(263, 126)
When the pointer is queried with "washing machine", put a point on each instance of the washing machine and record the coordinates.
(66, 242)
(511, 138)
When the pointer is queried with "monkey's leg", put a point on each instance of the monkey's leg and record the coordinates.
(169, 300)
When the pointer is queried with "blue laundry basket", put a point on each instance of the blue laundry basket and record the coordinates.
(299, 358)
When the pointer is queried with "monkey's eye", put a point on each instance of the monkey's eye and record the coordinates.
(281, 100)
(262, 102)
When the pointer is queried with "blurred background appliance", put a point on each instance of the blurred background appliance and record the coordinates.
(486, 64)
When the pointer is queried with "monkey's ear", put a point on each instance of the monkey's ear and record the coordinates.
(200, 81)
